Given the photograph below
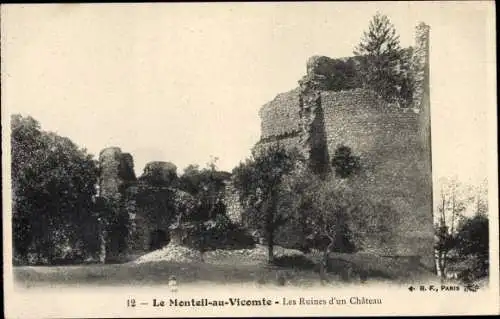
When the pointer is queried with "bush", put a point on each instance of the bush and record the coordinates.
(344, 162)
(219, 233)
(226, 235)
(295, 261)
(473, 244)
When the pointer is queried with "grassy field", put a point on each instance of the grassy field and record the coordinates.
(374, 268)
(150, 274)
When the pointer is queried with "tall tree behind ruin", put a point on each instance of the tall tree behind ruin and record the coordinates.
(380, 67)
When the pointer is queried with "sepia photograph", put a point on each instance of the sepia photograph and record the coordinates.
(249, 159)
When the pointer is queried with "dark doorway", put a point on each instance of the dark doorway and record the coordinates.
(158, 239)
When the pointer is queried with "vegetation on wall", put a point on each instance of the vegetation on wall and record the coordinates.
(383, 68)
(344, 162)
(379, 64)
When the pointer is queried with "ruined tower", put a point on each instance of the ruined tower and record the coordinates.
(116, 175)
(392, 142)
(116, 169)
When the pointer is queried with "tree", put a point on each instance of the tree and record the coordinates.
(452, 202)
(53, 185)
(473, 243)
(336, 217)
(114, 226)
(207, 186)
(472, 237)
(297, 196)
(259, 181)
(328, 220)
(156, 203)
(28, 147)
(381, 58)
(481, 198)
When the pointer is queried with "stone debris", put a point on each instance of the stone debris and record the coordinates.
(182, 254)
(254, 255)
(171, 252)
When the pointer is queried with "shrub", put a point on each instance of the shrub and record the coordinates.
(295, 261)
(219, 233)
(344, 163)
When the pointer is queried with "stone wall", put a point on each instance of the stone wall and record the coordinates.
(116, 175)
(281, 116)
(395, 164)
(149, 202)
(157, 208)
(288, 142)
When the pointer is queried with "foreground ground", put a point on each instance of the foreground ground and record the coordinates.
(225, 267)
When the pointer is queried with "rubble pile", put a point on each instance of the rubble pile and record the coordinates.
(182, 254)
(171, 252)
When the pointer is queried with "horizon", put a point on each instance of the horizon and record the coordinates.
(97, 67)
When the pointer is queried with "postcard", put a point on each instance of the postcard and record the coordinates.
(249, 159)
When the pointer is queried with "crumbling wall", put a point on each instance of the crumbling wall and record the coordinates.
(116, 168)
(420, 67)
(295, 119)
(158, 203)
(288, 142)
(280, 117)
(126, 169)
(335, 74)
(116, 176)
(157, 209)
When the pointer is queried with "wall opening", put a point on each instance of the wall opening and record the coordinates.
(158, 239)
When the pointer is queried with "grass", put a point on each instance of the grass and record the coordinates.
(150, 274)
(296, 270)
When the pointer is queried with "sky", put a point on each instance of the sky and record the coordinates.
(184, 82)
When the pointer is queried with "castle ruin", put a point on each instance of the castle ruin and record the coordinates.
(393, 142)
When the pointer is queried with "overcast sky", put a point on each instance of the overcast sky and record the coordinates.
(183, 82)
